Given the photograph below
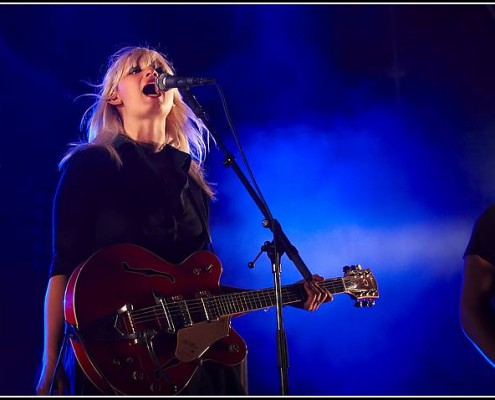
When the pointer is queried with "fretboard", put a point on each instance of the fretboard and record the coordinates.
(240, 302)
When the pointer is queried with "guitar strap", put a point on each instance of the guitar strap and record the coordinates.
(58, 365)
(72, 332)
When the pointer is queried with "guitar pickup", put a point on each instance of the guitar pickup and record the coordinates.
(175, 313)
(208, 309)
(181, 314)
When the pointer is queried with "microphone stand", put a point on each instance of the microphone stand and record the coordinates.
(275, 249)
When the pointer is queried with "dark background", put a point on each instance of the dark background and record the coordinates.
(369, 129)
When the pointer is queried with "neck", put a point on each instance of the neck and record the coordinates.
(148, 133)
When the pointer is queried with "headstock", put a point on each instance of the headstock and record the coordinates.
(361, 285)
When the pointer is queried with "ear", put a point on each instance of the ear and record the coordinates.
(115, 99)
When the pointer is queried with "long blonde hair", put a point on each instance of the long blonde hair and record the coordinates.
(103, 123)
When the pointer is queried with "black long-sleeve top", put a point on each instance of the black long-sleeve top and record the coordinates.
(150, 200)
(482, 240)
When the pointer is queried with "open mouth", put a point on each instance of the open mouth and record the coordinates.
(150, 90)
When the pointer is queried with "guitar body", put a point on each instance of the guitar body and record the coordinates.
(141, 325)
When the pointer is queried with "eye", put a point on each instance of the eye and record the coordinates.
(160, 70)
(134, 70)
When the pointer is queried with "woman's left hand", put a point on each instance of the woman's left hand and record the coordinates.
(316, 294)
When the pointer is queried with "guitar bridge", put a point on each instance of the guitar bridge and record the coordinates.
(207, 306)
(170, 327)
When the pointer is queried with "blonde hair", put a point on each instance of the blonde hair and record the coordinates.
(103, 122)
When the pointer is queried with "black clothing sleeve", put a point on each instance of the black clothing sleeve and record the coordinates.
(145, 200)
(76, 196)
(482, 240)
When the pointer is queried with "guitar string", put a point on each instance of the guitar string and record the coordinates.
(194, 305)
(264, 299)
(241, 296)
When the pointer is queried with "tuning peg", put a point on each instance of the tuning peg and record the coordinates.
(349, 268)
(364, 303)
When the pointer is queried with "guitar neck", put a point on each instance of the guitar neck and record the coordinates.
(241, 302)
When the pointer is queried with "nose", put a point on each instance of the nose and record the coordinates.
(151, 71)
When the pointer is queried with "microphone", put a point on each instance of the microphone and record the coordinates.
(166, 81)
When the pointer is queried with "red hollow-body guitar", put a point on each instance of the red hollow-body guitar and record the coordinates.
(141, 326)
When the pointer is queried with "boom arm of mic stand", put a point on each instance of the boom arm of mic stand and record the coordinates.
(281, 240)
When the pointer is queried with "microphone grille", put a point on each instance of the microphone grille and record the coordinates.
(161, 81)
